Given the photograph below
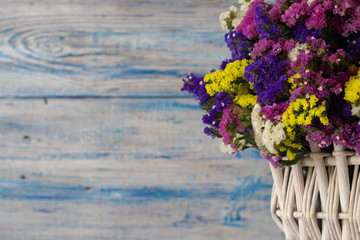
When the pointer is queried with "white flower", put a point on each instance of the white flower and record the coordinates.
(273, 134)
(225, 15)
(267, 138)
(239, 15)
(242, 2)
(355, 110)
(279, 133)
(222, 18)
(241, 141)
(233, 9)
(227, 149)
(236, 22)
(294, 53)
(258, 123)
(244, 7)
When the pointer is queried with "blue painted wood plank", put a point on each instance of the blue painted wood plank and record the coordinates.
(106, 48)
(137, 167)
(124, 169)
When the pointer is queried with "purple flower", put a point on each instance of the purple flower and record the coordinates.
(209, 132)
(319, 138)
(274, 160)
(196, 86)
(269, 77)
(239, 46)
(203, 99)
(213, 112)
(220, 106)
(215, 124)
(207, 119)
(353, 49)
(220, 96)
(273, 29)
(225, 63)
(348, 136)
(263, 26)
(300, 32)
(261, 20)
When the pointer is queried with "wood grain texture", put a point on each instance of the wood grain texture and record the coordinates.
(124, 169)
(96, 140)
(106, 48)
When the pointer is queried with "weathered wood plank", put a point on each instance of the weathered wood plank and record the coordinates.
(106, 48)
(117, 168)
(124, 169)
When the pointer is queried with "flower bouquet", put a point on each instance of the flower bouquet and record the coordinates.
(292, 85)
(292, 81)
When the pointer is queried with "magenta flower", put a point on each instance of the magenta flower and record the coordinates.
(295, 12)
(248, 25)
(317, 18)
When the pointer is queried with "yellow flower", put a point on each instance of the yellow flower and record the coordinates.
(291, 155)
(352, 89)
(291, 80)
(302, 112)
(251, 85)
(227, 79)
(297, 146)
(300, 119)
(307, 120)
(245, 100)
(290, 133)
(282, 149)
(313, 100)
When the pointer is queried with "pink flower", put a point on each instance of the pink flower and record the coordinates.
(274, 160)
(228, 118)
(328, 5)
(274, 111)
(276, 48)
(317, 18)
(275, 12)
(248, 25)
(265, 46)
(295, 12)
(289, 45)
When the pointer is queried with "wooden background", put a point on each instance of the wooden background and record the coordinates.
(98, 142)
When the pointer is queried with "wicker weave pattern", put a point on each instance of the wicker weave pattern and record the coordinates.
(318, 198)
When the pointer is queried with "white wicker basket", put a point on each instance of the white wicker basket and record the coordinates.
(318, 198)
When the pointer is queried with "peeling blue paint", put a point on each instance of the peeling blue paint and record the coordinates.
(30, 190)
(42, 210)
(177, 105)
(190, 220)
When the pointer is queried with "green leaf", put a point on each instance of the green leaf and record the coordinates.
(229, 23)
(289, 163)
(208, 105)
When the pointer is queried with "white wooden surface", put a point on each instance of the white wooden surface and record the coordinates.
(96, 139)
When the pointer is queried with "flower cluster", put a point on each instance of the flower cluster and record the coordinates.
(292, 82)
